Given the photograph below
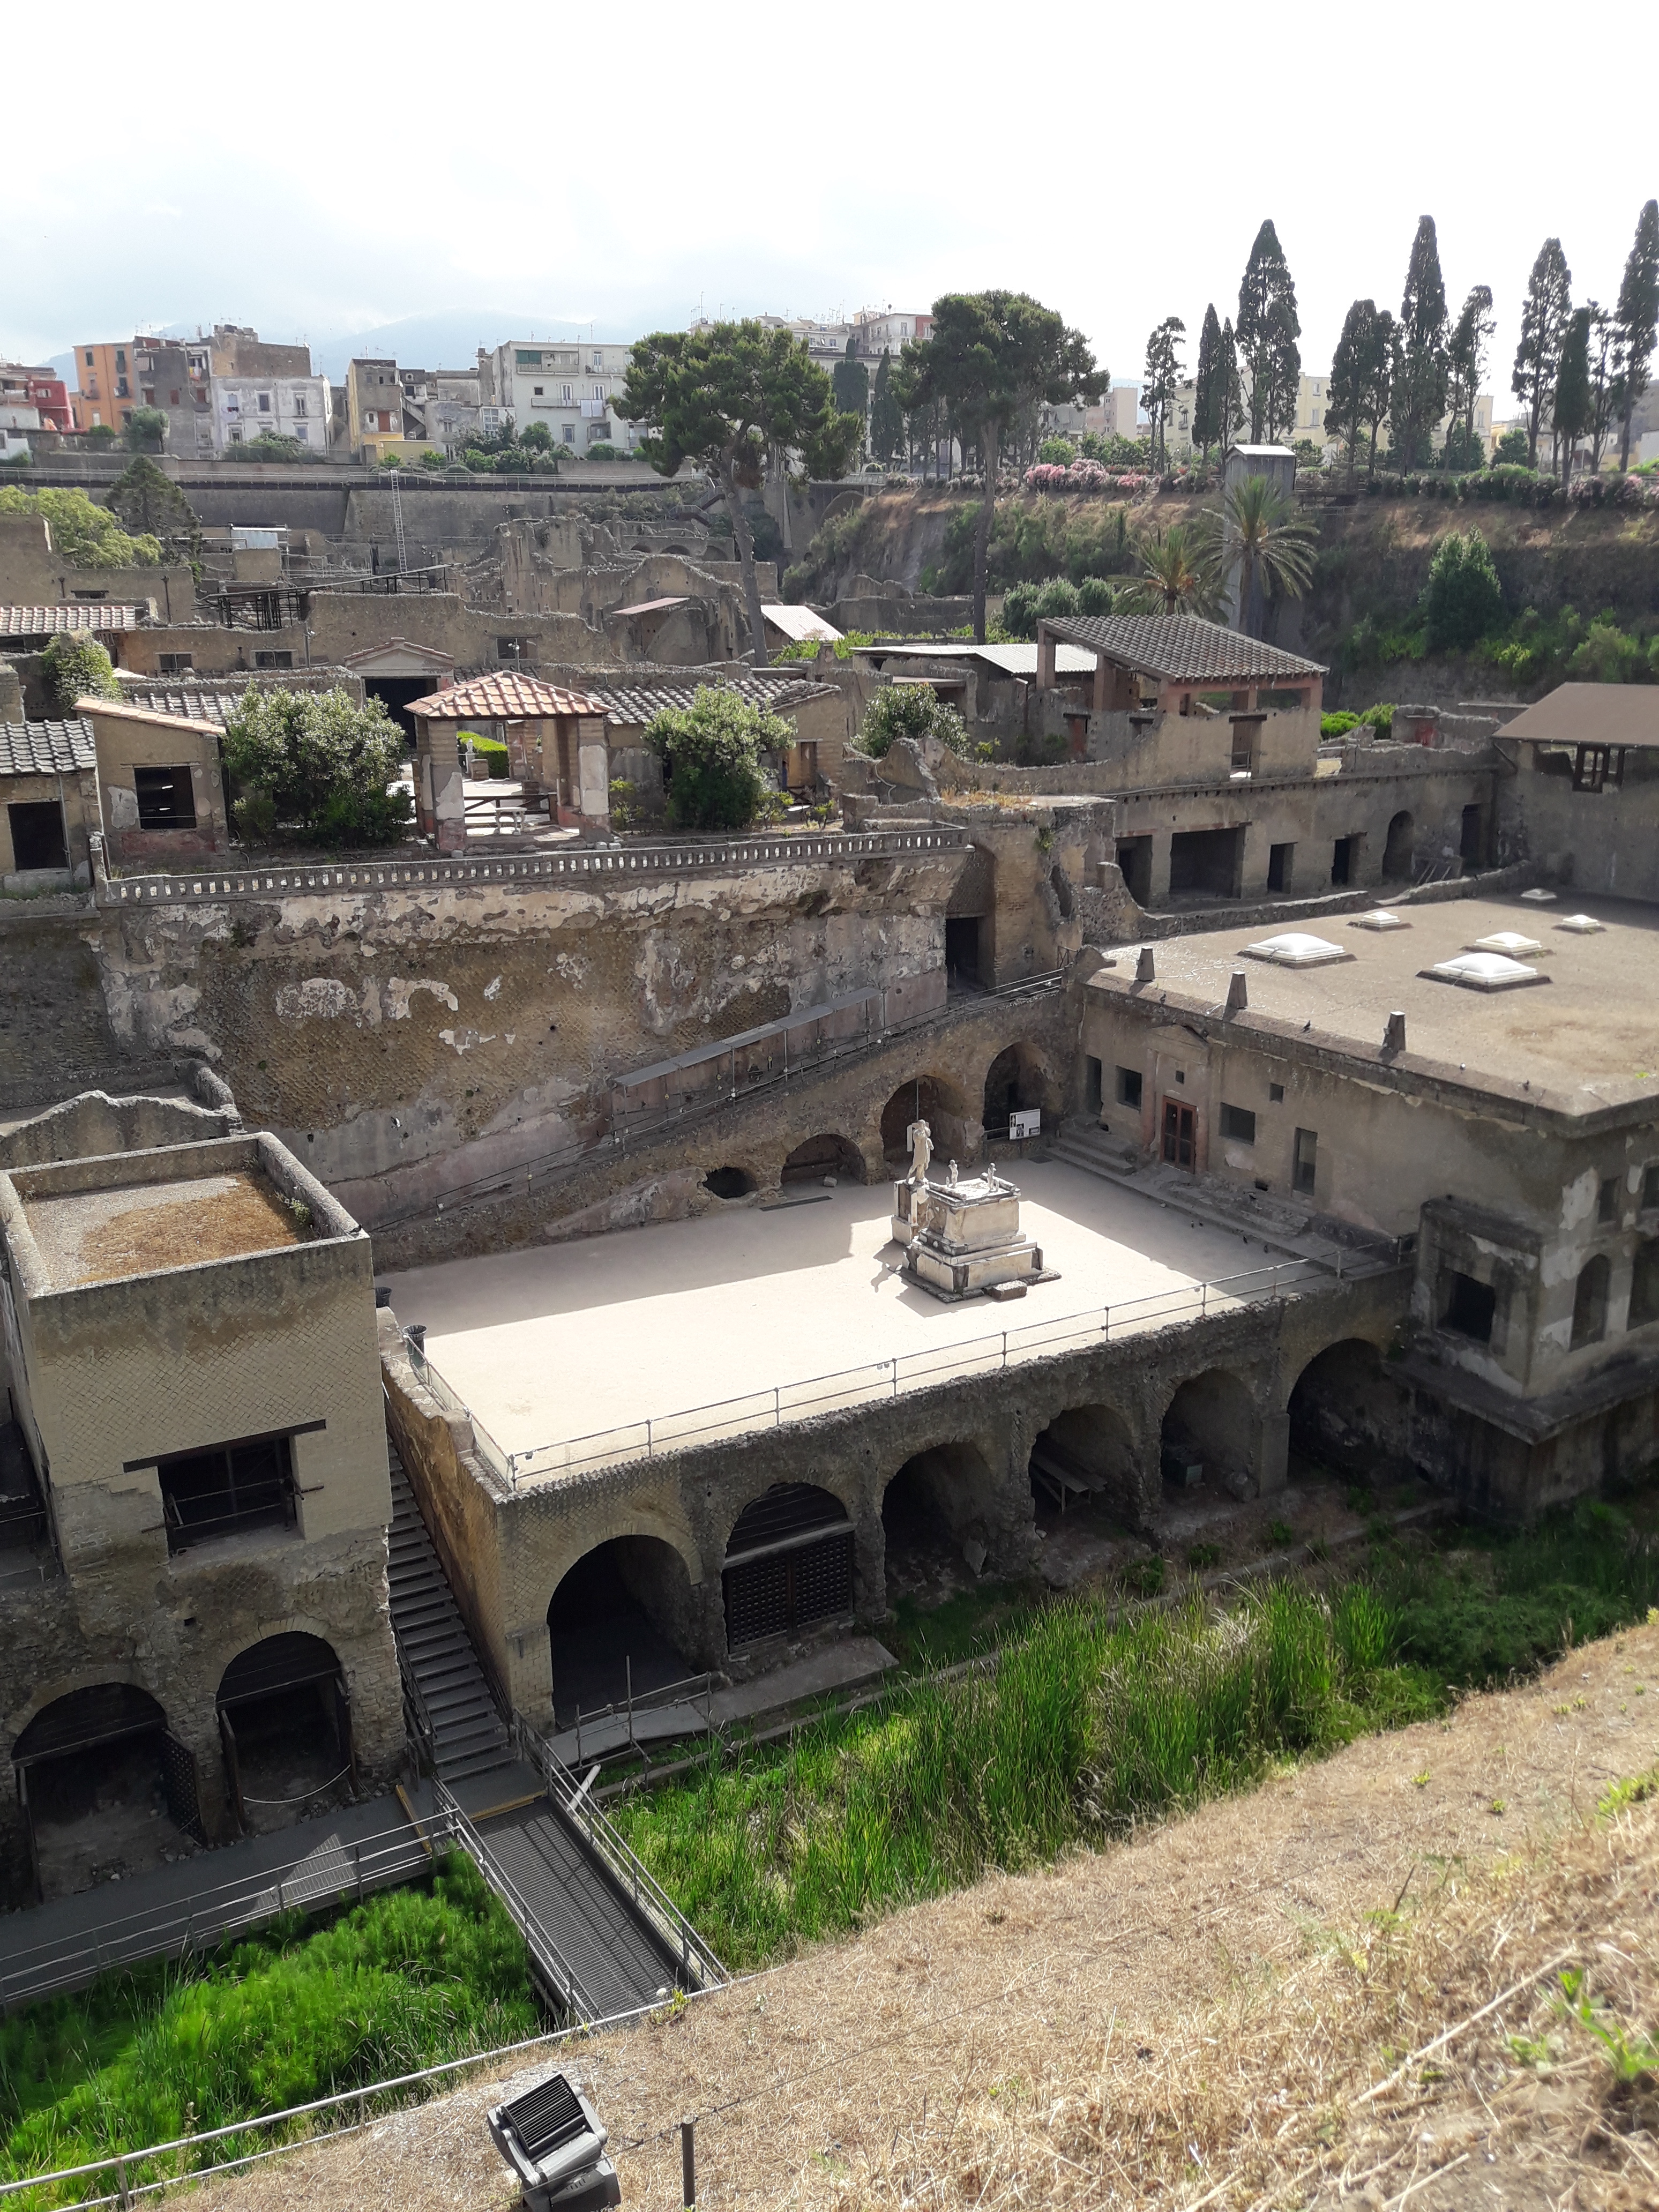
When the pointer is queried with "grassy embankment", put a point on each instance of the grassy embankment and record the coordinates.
(1080, 1729)
(405, 1980)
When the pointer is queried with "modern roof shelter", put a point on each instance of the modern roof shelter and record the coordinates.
(1172, 657)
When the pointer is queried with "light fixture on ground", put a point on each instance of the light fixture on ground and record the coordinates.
(554, 2141)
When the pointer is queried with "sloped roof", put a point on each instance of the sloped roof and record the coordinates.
(438, 661)
(72, 614)
(46, 748)
(1181, 649)
(503, 696)
(649, 606)
(635, 704)
(1591, 715)
(193, 702)
(800, 624)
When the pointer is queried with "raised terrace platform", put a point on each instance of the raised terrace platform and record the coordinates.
(563, 1355)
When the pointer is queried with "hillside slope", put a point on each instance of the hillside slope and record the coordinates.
(1186, 2019)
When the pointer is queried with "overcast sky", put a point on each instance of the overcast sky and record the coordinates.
(544, 170)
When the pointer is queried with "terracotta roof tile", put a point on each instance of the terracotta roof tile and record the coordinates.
(1180, 649)
(503, 696)
(46, 748)
(72, 614)
(637, 703)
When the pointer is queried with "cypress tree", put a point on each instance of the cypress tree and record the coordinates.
(1266, 333)
(1545, 314)
(1348, 397)
(1465, 354)
(1207, 391)
(1419, 394)
(1572, 413)
(1635, 324)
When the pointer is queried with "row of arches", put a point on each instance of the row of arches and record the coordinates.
(106, 1782)
(624, 1619)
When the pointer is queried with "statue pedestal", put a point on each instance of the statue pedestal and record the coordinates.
(903, 1221)
(964, 1238)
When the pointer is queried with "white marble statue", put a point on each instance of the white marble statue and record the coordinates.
(920, 1138)
(952, 1178)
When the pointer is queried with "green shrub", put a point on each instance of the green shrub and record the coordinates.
(1061, 452)
(713, 759)
(146, 430)
(1094, 596)
(1019, 610)
(1463, 600)
(1511, 448)
(910, 710)
(490, 750)
(1057, 601)
(85, 536)
(76, 667)
(318, 765)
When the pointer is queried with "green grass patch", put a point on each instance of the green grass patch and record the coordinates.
(1083, 1728)
(404, 1980)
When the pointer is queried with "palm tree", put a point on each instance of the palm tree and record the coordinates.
(1177, 576)
(1254, 526)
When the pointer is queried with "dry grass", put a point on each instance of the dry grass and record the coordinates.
(100, 1236)
(1189, 2019)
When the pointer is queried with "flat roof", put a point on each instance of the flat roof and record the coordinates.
(141, 1228)
(1017, 659)
(1588, 1038)
(565, 1340)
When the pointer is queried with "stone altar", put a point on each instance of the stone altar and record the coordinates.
(963, 1237)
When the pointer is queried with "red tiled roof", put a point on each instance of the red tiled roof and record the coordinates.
(73, 614)
(502, 696)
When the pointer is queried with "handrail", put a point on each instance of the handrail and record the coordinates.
(545, 1952)
(581, 865)
(783, 1404)
(697, 1960)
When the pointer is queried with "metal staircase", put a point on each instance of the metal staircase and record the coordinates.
(444, 1683)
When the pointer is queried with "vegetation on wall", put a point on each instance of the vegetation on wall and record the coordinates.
(85, 536)
(76, 667)
(910, 710)
(714, 759)
(317, 765)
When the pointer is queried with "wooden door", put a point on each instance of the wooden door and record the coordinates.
(1180, 1134)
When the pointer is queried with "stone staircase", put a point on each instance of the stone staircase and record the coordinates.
(444, 1681)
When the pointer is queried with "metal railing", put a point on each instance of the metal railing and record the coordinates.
(583, 865)
(650, 1900)
(633, 1706)
(205, 1918)
(555, 1968)
(758, 1410)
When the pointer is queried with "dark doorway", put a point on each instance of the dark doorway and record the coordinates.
(1015, 1081)
(610, 1625)
(927, 1098)
(1205, 863)
(823, 1159)
(1134, 859)
(962, 948)
(1279, 858)
(936, 1518)
(285, 1729)
(105, 1787)
(1397, 850)
(36, 834)
(1180, 1134)
(1471, 846)
(1208, 1431)
(395, 693)
(1344, 860)
(789, 1564)
(1348, 1414)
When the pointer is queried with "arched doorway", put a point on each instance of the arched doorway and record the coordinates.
(936, 1516)
(615, 1623)
(1017, 1080)
(1397, 849)
(285, 1727)
(941, 1104)
(1209, 1432)
(1084, 1460)
(1348, 1414)
(822, 1159)
(789, 1564)
(105, 1787)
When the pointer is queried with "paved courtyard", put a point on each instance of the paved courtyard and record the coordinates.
(572, 1339)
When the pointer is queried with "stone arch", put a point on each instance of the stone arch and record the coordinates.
(940, 1506)
(939, 1101)
(729, 1183)
(789, 1564)
(1018, 1077)
(1349, 1413)
(1087, 1456)
(102, 1786)
(1589, 1301)
(817, 1159)
(1210, 1423)
(620, 1620)
(284, 1718)
(1397, 847)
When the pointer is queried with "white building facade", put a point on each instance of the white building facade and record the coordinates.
(572, 388)
(244, 408)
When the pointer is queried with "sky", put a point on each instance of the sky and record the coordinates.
(549, 175)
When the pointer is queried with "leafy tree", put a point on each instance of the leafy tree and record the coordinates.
(1060, 453)
(317, 764)
(1159, 379)
(1019, 610)
(1177, 576)
(1510, 450)
(1545, 315)
(1265, 333)
(1058, 601)
(1636, 322)
(1570, 417)
(146, 500)
(991, 357)
(101, 433)
(886, 414)
(87, 536)
(269, 445)
(1256, 527)
(146, 430)
(713, 755)
(851, 381)
(1207, 379)
(910, 710)
(536, 438)
(77, 667)
(1465, 363)
(737, 399)
(1420, 381)
(1096, 596)
(1463, 600)
(1380, 360)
